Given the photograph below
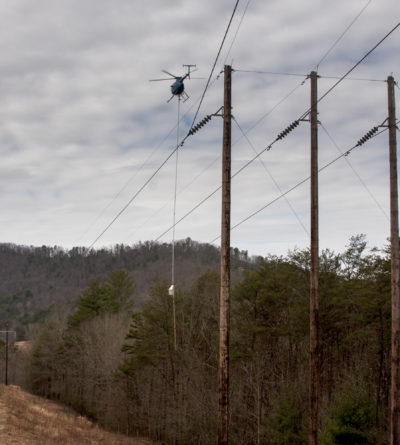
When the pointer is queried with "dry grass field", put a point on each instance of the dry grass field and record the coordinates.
(26, 419)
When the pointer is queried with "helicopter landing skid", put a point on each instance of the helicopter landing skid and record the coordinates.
(182, 96)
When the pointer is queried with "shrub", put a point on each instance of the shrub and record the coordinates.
(286, 421)
(351, 419)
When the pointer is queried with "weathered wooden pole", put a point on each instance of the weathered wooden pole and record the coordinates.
(224, 314)
(6, 377)
(394, 239)
(314, 272)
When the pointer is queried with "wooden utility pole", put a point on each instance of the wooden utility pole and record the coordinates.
(394, 238)
(6, 379)
(224, 314)
(314, 273)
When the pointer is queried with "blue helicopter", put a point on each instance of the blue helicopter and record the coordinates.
(178, 87)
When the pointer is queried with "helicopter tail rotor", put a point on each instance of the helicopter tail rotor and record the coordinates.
(189, 66)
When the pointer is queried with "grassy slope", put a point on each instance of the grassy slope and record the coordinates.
(27, 419)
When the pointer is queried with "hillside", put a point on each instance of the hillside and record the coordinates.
(35, 279)
(26, 420)
(153, 372)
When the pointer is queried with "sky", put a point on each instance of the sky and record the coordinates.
(82, 130)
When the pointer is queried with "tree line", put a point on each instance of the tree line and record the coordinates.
(33, 280)
(116, 362)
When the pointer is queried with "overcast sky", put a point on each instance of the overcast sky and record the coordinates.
(82, 129)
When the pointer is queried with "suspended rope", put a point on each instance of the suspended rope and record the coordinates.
(172, 287)
(175, 188)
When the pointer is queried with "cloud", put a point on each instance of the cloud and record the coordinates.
(82, 129)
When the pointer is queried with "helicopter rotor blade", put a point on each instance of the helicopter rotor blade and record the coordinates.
(158, 80)
(170, 74)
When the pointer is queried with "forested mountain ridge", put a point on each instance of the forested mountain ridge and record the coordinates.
(123, 369)
(35, 279)
(150, 369)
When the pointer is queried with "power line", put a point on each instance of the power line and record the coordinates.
(269, 112)
(213, 67)
(340, 79)
(133, 197)
(273, 73)
(359, 143)
(181, 143)
(273, 180)
(179, 192)
(268, 147)
(237, 31)
(262, 151)
(279, 137)
(125, 185)
(243, 133)
(321, 76)
(358, 63)
(345, 154)
(360, 79)
(356, 173)
(264, 207)
(190, 211)
(326, 53)
(137, 171)
(342, 35)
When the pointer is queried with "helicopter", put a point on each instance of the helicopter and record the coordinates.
(178, 87)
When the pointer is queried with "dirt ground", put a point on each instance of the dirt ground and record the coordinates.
(26, 419)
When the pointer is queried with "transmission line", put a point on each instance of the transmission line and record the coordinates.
(213, 67)
(273, 179)
(137, 170)
(290, 128)
(342, 155)
(179, 144)
(273, 73)
(369, 135)
(178, 193)
(360, 79)
(267, 148)
(262, 151)
(340, 79)
(358, 63)
(133, 198)
(190, 211)
(91, 224)
(356, 173)
(281, 135)
(269, 112)
(342, 35)
(304, 115)
(321, 76)
(237, 31)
